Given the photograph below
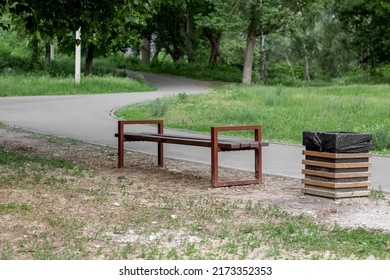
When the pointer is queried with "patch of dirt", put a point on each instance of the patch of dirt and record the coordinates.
(189, 179)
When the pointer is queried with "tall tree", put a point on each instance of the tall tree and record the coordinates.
(264, 17)
(337, 55)
(304, 32)
(105, 23)
(101, 22)
(176, 28)
(37, 19)
(215, 18)
(369, 22)
(170, 27)
(181, 25)
(3, 4)
(260, 17)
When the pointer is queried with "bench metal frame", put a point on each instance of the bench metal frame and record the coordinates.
(215, 143)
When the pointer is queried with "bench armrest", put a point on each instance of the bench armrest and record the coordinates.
(122, 123)
(121, 138)
(255, 128)
(215, 149)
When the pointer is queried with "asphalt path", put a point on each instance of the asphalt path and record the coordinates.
(89, 118)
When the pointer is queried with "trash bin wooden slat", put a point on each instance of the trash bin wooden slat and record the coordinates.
(326, 176)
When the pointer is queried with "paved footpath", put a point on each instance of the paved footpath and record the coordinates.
(89, 118)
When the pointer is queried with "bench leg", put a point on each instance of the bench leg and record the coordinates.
(258, 157)
(214, 157)
(215, 182)
(121, 140)
(258, 172)
(160, 154)
(160, 145)
(121, 160)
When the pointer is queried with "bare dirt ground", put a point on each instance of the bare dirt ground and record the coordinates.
(189, 179)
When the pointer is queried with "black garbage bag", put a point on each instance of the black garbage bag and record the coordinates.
(337, 141)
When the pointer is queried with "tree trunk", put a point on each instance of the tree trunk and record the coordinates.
(307, 66)
(189, 38)
(289, 65)
(154, 51)
(89, 59)
(34, 45)
(263, 57)
(145, 51)
(363, 62)
(47, 55)
(307, 69)
(214, 38)
(176, 55)
(173, 50)
(248, 63)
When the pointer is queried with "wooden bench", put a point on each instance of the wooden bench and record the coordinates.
(216, 144)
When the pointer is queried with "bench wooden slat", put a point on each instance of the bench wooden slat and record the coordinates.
(224, 140)
(223, 144)
(175, 136)
(244, 143)
(169, 140)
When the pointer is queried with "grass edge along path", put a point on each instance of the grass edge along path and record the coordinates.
(33, 85)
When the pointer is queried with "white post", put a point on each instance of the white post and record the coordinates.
(78, 57)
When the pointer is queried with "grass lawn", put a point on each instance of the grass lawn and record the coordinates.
(284, 112)
(26, 85)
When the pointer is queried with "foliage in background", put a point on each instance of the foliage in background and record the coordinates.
(369, 24)
(105, 25)
(316, 45)
(201, 71)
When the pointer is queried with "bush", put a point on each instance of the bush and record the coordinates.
(282, 71)
(379, 75)
(10, 63)
(217, 72)
(158, 108)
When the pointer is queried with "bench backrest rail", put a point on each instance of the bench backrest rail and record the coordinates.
(224, 145)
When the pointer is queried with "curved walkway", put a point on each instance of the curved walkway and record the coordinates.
(88, 118)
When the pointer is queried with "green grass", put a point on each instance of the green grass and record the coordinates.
(284, 112)
(377, 194)
(28, 84)
(11, 207)
(16, 160)
(35, 168)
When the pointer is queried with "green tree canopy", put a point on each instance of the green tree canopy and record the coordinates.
(102, 22)
(369, 22)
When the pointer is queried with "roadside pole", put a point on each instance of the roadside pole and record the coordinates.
(78, 56)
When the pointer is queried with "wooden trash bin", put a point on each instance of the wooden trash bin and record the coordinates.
(337, 164)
